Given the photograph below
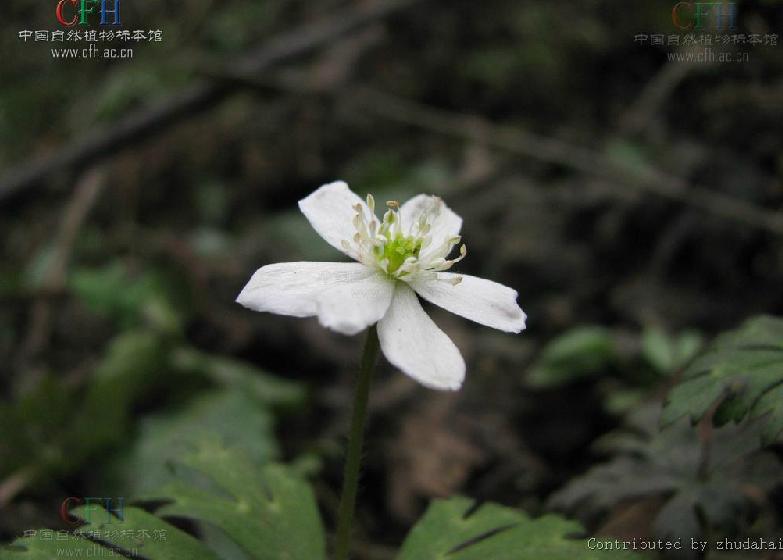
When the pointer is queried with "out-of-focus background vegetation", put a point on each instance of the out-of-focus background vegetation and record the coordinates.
(632, 201)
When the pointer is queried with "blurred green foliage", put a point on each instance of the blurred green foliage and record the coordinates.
(624, 366)
(668, 353)
(268, 511)
(61, 425)
(579, 353)
(709, 487)
(125, 298)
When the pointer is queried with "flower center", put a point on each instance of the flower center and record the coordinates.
(397, 251)
(402, 250)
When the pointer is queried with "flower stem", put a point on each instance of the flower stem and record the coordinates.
(353, 458)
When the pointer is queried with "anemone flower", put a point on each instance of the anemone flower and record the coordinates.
(404, 254)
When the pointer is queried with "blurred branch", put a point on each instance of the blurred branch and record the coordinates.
(642, 177)
(14, 484)
(654, 95)
(84, 197)
(516, 141)
(198, 98)
(88, 190)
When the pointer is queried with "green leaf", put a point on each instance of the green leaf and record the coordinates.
(270, 513)
(740, 367)
(32, 430)
(768, 407)
(619, 401)
(650, 462)
(238, 414)
(44, 546)
(668, 353)
(138, 535)
(55, 428)
(228, 372)
(579, 353)
(231, 417)
(455, 529)
(134, 365)
(164, 541)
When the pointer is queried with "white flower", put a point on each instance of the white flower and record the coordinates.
(404, 254)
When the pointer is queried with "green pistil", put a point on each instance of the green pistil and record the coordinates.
(397, 250)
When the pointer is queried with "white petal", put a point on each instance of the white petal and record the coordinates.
(347, 297)
(444, 223)
(477, 299)
(351, 308)
(413, 342)
(330, 211)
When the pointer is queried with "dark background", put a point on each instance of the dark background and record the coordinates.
(609, 186)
